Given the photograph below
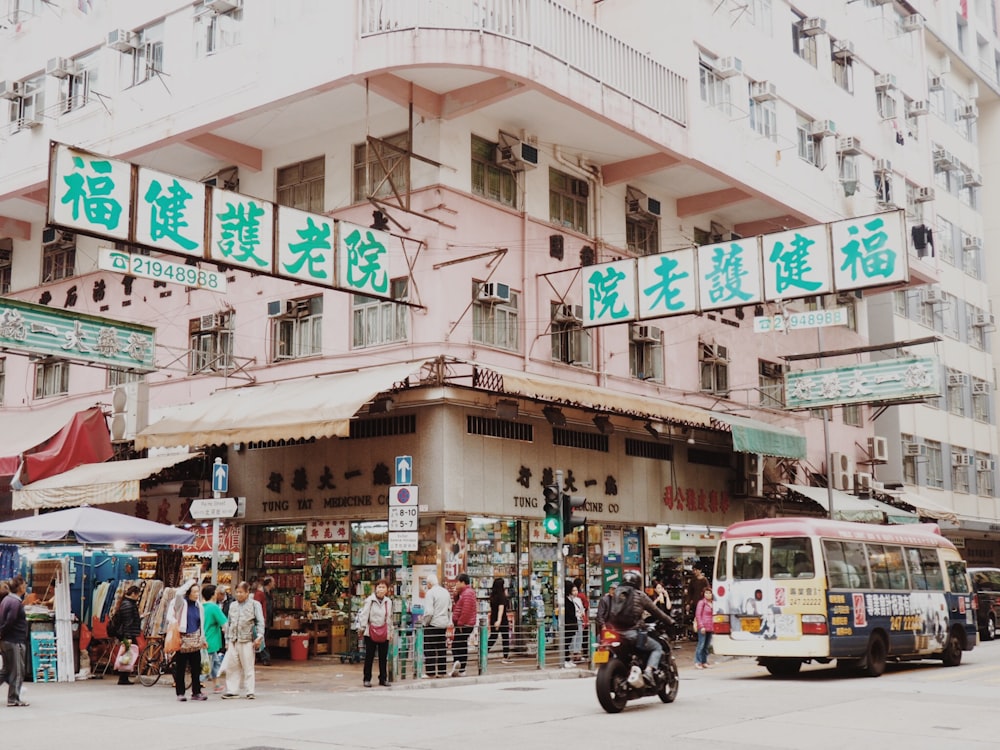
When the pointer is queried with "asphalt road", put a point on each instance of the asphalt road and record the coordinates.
(735, 704)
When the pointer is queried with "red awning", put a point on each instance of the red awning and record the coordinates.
(83, 439)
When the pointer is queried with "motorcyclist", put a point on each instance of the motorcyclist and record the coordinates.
(633, 626)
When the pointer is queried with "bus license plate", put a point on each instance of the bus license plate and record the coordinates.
(750, 624)
(600, 657)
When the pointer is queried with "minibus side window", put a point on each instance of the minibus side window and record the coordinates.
(721, 561)
(792, 558)
(957, 577)
(932, 569)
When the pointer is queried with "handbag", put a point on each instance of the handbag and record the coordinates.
(127, 657)
(172, 641)
(191, 642)
(380, 633)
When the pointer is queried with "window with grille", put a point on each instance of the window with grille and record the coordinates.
(489, 179)
(714, 359)
(570, 341)
(982, 395)
(569, 201)
(935, 463)
(211, 342)
(74, 89)
(771, 382)
(909, 461)
(378, 160)
(116, 377)
(959, 471)
(984, 474)
(51, 378)
(302, 185)
(376, 321)
(495, 323)
(715, 91)
(147, 58)
(298, 331)
(59, 256)
(852, 414)
(26, 110)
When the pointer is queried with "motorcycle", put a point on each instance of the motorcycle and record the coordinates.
(620, 665)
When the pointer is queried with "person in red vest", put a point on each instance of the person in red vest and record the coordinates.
(463, 615)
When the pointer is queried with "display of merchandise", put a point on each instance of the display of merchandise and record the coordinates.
(280, 552)
(44, 656)
(492, 554)
(327, 580)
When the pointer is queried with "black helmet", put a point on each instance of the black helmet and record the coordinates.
(633, 579)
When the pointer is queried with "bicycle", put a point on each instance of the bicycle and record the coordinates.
(153, 663)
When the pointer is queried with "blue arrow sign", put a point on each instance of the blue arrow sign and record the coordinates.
(404, 469)
(220, 478)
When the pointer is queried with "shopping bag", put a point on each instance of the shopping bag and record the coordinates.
(206, 663)
(128, 655)
(172, 641)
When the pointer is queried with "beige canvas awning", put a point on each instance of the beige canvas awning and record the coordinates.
(94, 484)
(313, 407)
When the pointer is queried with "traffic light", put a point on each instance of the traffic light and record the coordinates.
(553, 510)
(569, 504)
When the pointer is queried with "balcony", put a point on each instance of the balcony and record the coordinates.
(550, 29)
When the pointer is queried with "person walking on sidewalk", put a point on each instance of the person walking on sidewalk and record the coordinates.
(189, 616)
(244, 633)
(13, 641)
(215, 623)
(265, 598)
(705, 625)
(464, 618)
(499, 624)
(436, 619)
(375, 627)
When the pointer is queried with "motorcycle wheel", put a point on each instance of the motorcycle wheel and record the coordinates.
(612, 690)
(668, 693)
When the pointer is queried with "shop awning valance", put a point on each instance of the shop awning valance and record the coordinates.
(845, 507)
(593, 397)
(928, 508)
(313, 407)
(55, 438)
(754, 436)
(94, 484)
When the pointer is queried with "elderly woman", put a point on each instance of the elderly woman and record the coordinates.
(187, 612)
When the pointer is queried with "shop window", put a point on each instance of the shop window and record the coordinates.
(58, 255)
(51, 378)
(297, 331)
(211, 342)
(648, 449)
(301, 185)
(585, 440)
(377, 321)
(489, 179)
(382, 167)
(569, 201)
(495, 315)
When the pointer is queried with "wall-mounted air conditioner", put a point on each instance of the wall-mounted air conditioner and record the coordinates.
(942, 158)
(822, 128)
(645, 334)
(918, 107)
(568, 314)
(885, 81)
(961, 459)
(10, 90)
(882, 166)
(640, 204)
(914, 449)
(129, 410)
(848, 144)
(981, 388)
(60, 67)
(913, 22)
(813, 26)
(972, 179)
(935, 83)
(932, 295)
(842, 471)
(985, 464)
(221, 6)
(763, 91)
(958, 379)
(842, 49)
(493, 292)
(123, 40)
(972, 242)
(727, 67)
(968, 112)
(984, 320)
(878, 449)
(515, 154)
(924, 194)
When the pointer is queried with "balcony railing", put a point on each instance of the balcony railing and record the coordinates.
(549, 28)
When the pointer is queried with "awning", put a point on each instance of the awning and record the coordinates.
(94, 484)
(314, 407)
(928, 508)
(845, 507)
(30, 429)
(754, 436)
(593, 397)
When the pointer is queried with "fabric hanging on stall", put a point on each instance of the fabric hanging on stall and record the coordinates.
(10, 561)
(169, 564)
(65, 656)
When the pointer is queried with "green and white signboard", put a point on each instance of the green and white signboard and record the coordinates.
(890, 380)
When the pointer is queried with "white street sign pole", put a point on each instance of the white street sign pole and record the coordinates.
(215, 530)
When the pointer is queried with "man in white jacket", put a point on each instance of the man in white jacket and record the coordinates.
(245, 633)
(436, 619)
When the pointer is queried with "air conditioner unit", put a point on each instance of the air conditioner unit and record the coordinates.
(60, 67)
(221, 6)
(123, 40)
(972, 179)
(813, 26)
(823, 128)
(932, 295)
(842, 471)
(935, 83)
(763, 91)
(883, 166)
(842, 49)
(640, 204)
(981, 388)
(848, 144)
(985, 464)
(753, 474)
(645, 334)
(727, 67)
(515, 154)
(885, 81)
(942, 159)
(210, 322)
(984, 320)
(129, 410)
(878, 449)
(913, 22)
(961, 459)
(958, 379)
(491, 291)
(968, 112)
(972, 243)
(298, 308)
(924, 194)
(772, 370)
(862, 482)
(918, 107)
(568, 314)
(10, 90)
(914, 449)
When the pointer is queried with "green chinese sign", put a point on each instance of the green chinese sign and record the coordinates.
(870, 382)
(37, 329)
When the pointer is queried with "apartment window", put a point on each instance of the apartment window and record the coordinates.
(977, 332)
(764, 118)
(298, 331)
(380, 166)
(6, 256)
(899, 303)
(843, 73)
(852, 415)
(570, 342)
(886, 104)
(982, 394)
(489, 179)
(960, 469)
(944, 241)
(642, 224)
(377, 321)
(909, 460)
(984, 474)
(714, 361)
(495, 316)
(914, 208)
(58, 255)
(956, 385)
(51, 378)
(26, 110)
(211, 342)
(76, 85)
(771, 383)
(569, 201)
(911, 120)
(219, 31)
(645, 352)
(147, 58)
(302, 185)
(883, 187)
(935, 463)
(804, 45)
(950, 315)
(961, 31)
(758, 14)
(714, 90)
(22, 11)
(116, 377)
(970, 262)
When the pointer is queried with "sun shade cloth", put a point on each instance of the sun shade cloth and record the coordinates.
(94, 484)
(92, 526)
(600, 399)
(754, 436)
(928, 508)
(26, 430)
(845, 507)
(314, 407)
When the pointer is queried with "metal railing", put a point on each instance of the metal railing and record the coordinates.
(549, 28)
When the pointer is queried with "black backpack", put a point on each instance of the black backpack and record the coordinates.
(621, 613)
